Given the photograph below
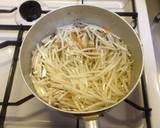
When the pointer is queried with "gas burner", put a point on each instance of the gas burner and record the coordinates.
(28, 12)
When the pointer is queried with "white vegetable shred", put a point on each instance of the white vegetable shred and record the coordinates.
(81, 68)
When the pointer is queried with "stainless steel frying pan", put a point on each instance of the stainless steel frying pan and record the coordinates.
(88, 14)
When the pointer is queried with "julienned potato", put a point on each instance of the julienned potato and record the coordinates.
(81, 68)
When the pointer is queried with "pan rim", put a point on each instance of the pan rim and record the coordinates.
(87, 112)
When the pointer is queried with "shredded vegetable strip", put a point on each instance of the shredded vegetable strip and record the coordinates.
(81, 68)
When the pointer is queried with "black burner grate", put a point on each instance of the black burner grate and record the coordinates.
(17, 43)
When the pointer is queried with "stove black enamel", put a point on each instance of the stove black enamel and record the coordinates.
(30, 10)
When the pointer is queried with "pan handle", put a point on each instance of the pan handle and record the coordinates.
(91, 124)
(91, 121)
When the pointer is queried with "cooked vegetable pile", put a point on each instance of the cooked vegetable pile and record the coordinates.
(81, 68)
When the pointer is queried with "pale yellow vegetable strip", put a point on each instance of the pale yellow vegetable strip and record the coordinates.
(107, 69)
(81, 79)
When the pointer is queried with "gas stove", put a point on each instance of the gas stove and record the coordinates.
(19, 108)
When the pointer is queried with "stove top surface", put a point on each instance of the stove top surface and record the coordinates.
(35, 114)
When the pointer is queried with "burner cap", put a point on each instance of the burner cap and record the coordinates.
(30, 10)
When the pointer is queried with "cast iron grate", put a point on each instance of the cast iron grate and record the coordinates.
(17, 43)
